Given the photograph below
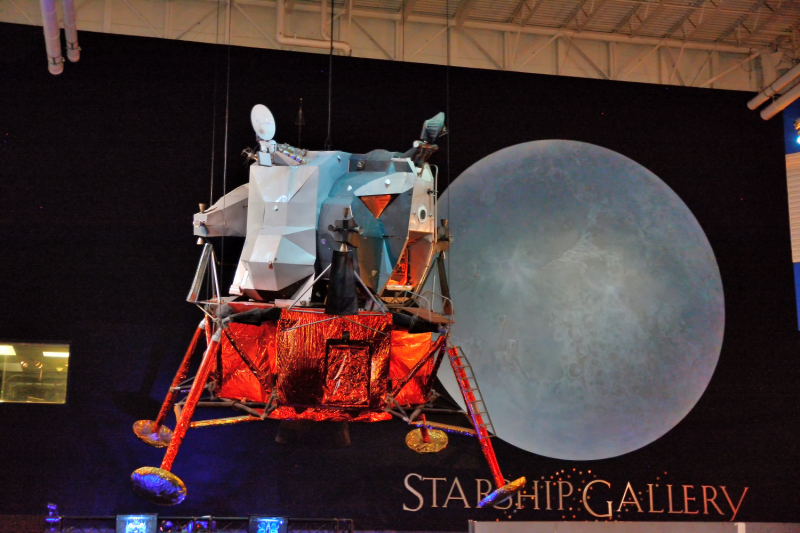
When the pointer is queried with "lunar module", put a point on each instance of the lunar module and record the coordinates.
(339, 308)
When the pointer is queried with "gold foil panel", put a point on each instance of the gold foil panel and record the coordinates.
(158, 486)
(437, 441)
(328, 415)
(347, 376)
(301, 354)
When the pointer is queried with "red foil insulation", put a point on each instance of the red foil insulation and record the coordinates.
(319, 414)
(259, 343)
(338, 379)
(305, 356)
(407, 350)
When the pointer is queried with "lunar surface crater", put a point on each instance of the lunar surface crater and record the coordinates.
(590, 302)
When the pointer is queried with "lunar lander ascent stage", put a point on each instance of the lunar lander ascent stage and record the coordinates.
(328, 318)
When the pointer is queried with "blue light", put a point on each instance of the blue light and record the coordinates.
(798, 139)
(263, 524)
(143, 523)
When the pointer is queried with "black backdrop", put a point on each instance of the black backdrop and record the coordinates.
(102, 167)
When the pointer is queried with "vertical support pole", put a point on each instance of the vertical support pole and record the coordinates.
(506, 51)
(556, 58)
(453, 36)
(426, 437)
(167, 19)
(713, 66)
(444, 286)
(107, 16)
(229, 22)
(180, 375)
(199, 384)
(399, 30)
(612, 60)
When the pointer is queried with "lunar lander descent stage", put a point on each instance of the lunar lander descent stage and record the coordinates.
(327, 318)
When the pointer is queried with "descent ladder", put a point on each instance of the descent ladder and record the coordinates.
(484, 430)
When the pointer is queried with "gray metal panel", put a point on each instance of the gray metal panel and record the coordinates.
(284, 203)
(227, 217)
(389, 184)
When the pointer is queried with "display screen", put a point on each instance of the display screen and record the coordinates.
(141, 523)
(267, 524)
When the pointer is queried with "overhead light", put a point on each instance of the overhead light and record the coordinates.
(797, 129)
(7, 349)
(55, 354)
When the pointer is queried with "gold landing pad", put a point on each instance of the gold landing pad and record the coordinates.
(438, 441)
(146, 431)
(158, 486)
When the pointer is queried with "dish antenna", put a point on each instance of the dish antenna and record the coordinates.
(263, 122)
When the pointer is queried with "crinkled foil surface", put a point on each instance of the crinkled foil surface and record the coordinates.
(340, 382)
(347, 375)
(320, 414)
(303, 358)
(407, 350)
(259, 344)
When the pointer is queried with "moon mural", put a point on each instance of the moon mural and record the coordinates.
(588, 298)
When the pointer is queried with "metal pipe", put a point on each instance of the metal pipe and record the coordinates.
(52, 37)
(298, 41)
(191, 402)
(180, 375)
(242, 407)
(71, 31)
(527, 30)
(260, 375)
(224, 421)
(781, 103)
(773, 88)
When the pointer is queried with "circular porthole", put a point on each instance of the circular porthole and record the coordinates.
(422, 213)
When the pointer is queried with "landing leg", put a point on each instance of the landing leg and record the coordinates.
(153, 432)
(477, 410)
(159, 485)
(424, 440)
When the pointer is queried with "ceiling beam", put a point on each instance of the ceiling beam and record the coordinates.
(482, 50)
(574, 13)
(463, 12)
(518, 10)
(592, 15)
(532, 12)
(706, 19)
(740, 21)
(783, 8)
(408, 9)
(648, 19)
(627, 18)
(690, 11)
(588, 61)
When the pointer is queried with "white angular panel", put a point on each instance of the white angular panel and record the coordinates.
(304, 238)
(391, 184)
